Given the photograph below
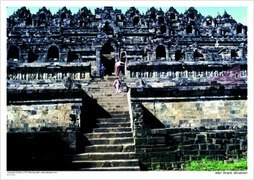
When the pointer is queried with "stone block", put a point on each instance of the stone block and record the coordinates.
(211, 135)
(141, 132)
(212, 152)
(156, 140)
(190, 135)
(203, 152)
(189, 141)
(219, 135)
(234, 140)
(242, 134)
(202, 147)
(163, 157)
(200, 137)
(143, 157)
(191, 152)
(243, 144)
(221, 128)
(220, 152)
(225, 141)
(176, 138)
(217, 141)
(140, 141)
(178, 130)
(231, 147)
(158, 131)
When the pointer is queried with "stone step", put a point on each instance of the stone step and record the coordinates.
(110, 148)
(114, 119)
(115, 108)
(119, 114)
(104, 156)
(110, 99)
(119, 164)
(121, 140)
(116, 129)
(108, 124)
(124, 115)
(108, 135)
(114, 103)
(109, 109)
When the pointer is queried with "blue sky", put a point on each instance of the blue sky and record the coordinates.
(237, 12)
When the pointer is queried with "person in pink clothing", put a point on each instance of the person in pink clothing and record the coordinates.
(117, 85)
(118, 65)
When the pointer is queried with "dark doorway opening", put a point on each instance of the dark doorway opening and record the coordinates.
(163, 29)
(108, 58)
(172, 16)
(239, 29)
(160, 52)
(160, 20)
(135, 20)
(53, 54)
(32, 56)
(153, 15)
(192, 15)
(72, 57)
(63, 16)
(233, 53)
(179, 55)
(29, 21)
(189, 29)
(197, 54)
(13, 53)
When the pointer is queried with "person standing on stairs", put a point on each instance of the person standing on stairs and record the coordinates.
(118, 65)
(117, 85)
(102, 70)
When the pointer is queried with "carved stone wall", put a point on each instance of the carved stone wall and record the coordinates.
(154, 36)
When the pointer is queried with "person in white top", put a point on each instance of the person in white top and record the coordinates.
(117, 85)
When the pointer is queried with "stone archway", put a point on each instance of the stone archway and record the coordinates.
(53, 53)
(136, 20)
(160, 52)
(108, 58)
(13, 53)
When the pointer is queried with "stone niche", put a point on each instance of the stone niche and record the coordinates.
(210, 114)
(35, 117)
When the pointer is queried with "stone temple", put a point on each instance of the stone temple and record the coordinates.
(184, 89)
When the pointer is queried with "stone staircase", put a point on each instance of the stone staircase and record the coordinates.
(111, 144)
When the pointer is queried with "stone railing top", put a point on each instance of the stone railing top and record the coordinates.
(50, 64)
(161, 62)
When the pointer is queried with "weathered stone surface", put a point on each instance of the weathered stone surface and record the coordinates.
(38, 116)
(187, 115)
